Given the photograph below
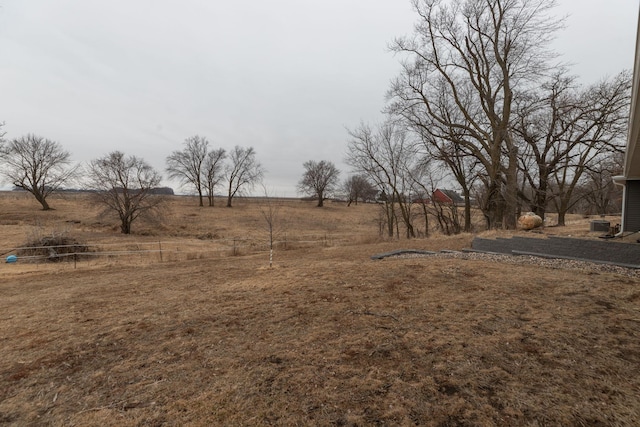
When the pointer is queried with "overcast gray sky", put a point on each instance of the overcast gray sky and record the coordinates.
(284, 76)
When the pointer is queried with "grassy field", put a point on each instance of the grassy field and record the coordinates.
(325, 337)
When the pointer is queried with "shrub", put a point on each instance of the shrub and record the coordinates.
(53, 247)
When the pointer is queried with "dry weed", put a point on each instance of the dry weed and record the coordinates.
(327, 337)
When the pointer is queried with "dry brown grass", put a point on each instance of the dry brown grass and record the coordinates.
(327, 337)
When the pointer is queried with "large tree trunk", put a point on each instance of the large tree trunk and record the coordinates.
(540, 200)
(511, 190)
(125, 226)
(42, 200)
(230, 194)
(467, 210)
(39, 195)
(494, 205)
(562, 212)
(540, 196)
(561, 218)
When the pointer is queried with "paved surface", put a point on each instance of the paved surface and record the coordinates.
(604, 251)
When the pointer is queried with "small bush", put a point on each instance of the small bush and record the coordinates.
(208, 236)
(52, 247)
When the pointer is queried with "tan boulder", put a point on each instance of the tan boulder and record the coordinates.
(529, 221)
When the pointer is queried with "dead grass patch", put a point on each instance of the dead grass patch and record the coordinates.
(328, 337)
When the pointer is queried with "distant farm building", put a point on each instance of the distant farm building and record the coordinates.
(443, 197)
(447, 197)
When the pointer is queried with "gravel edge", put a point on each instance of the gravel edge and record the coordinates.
(553, 263)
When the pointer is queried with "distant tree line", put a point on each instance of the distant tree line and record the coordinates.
(125, 185)
(204, 169)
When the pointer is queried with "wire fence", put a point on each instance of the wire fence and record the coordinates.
(162, 251)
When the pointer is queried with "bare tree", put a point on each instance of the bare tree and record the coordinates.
(564, 131)
(445, 144)
(319, 179)
(385, 156)
(599, 191)
(187, 165)
(124, 185)
(465, 64)
(358, 187)
(37, 165)
(543, 118)
(270, 210)
(243, 171)
(212, 172)
(601, 130)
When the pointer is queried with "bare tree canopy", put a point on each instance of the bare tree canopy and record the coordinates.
(243, 171)
(37, 165)
(187, 165)
(563, 131)
(124, 184)
(600, 194)
(212, 172)
(386, 157)
(465, 64)
(275, 223)
(358, 187)
(319, 179)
